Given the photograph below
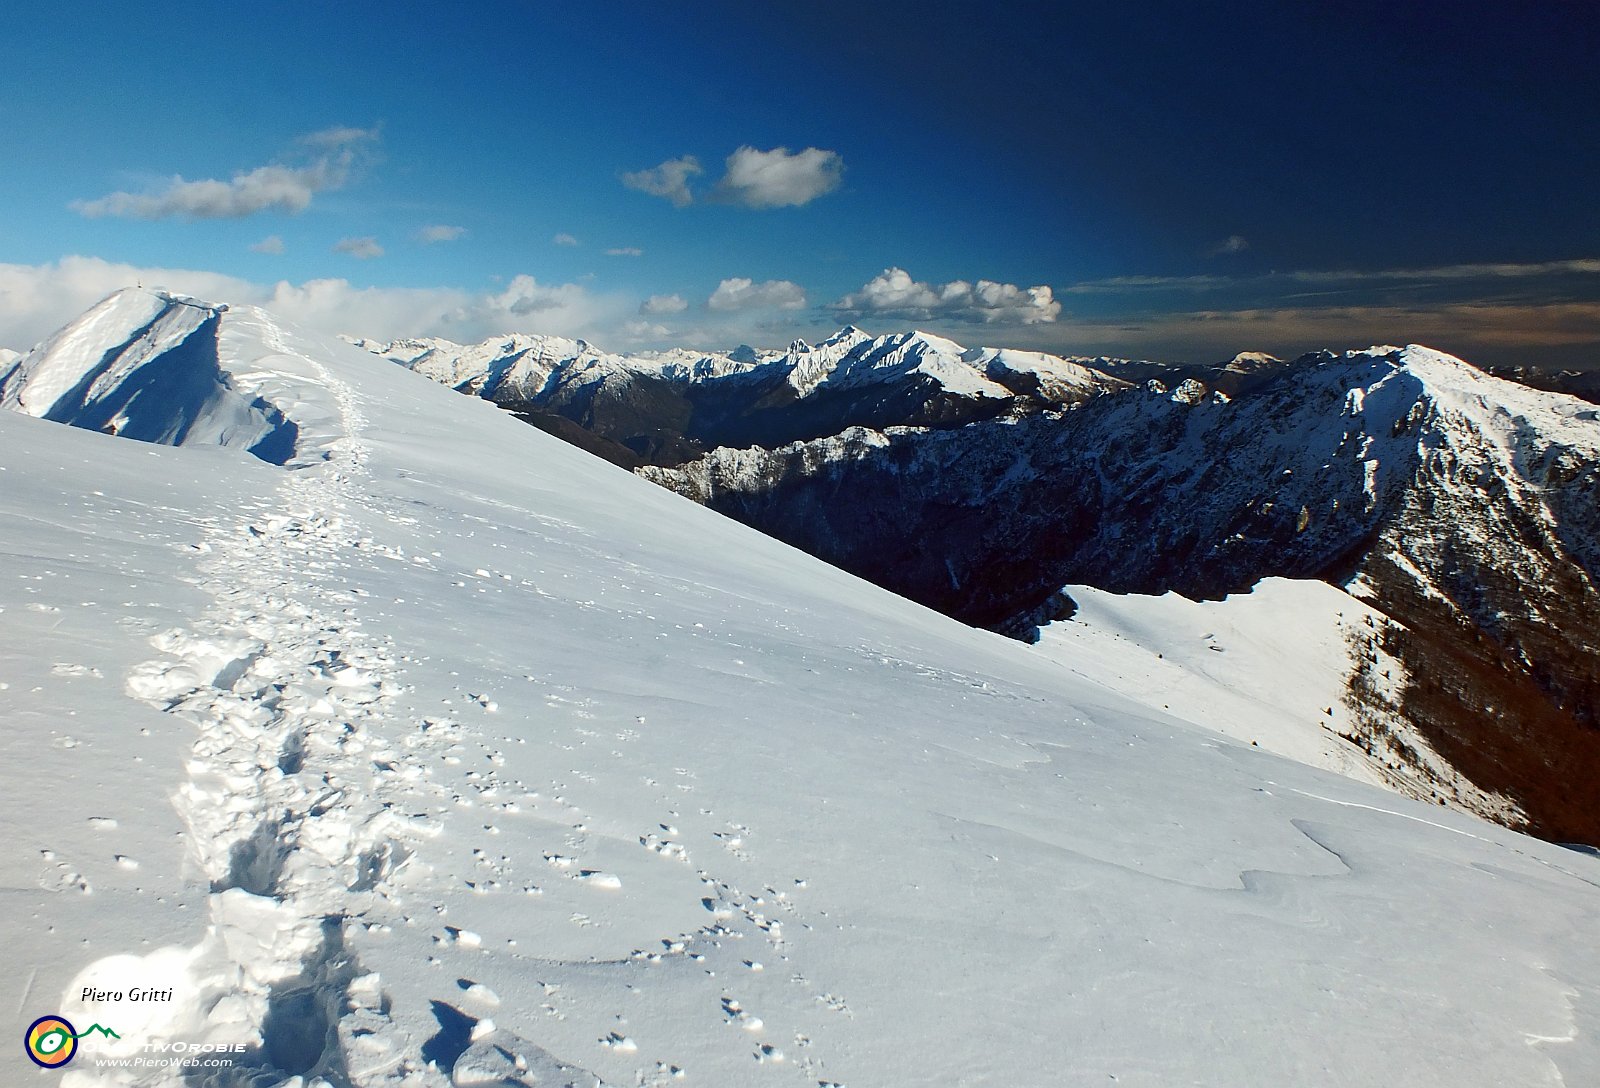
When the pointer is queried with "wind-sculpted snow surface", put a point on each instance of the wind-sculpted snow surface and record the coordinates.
(401, 769)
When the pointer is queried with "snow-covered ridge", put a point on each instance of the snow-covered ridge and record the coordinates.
(521, 366)
(1519, 418)
(154, 366)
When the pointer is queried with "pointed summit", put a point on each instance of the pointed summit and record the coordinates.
(847, 337)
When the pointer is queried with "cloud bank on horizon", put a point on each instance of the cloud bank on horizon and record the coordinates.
(35, 300)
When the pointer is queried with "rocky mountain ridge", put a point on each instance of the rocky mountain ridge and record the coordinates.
(1462, 506)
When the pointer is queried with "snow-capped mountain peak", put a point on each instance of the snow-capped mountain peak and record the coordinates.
(148, 364)
(1248, 362)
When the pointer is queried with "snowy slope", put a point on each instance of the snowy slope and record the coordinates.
(1229, 664)
(1278, 667)
(401, 768)
(1064, 381)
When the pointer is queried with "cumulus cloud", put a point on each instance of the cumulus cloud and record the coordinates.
(525, 295)
(670, 180)
(564, 239)
(778, 178)
(663, 304)
(439, 232)
(643, 332)
(272, 244)
(36, 300)
(362, 249)
(275, 187)
(625, 251)
(523, 305)
(739, 293)
(893, 293)
(1233, 243)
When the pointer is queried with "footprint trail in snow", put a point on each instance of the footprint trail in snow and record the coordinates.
(297, 799)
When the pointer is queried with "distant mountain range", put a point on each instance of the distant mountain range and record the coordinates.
(1464, 507)
(664, 408)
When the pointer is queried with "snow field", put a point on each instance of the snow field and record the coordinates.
(494, 765)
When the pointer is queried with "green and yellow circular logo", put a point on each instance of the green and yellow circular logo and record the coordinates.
(51, 1041)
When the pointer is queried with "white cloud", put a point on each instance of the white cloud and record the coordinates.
(339, 136)
(753, 178)
(36, 300)
(625, 251)
(564, 239)
(1233, 243)
(643, 332)
(663, 304)
(525, 295)
(739, 293)
(272, 244)
(893, 293)
(274, 187)
(777, 178)
(362, 249)
(523, 305)
(438, 232)
(669, 180)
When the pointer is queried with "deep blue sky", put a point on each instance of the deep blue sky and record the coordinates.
(1187, 179)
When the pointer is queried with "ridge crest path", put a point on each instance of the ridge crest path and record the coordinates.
(292, 789)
